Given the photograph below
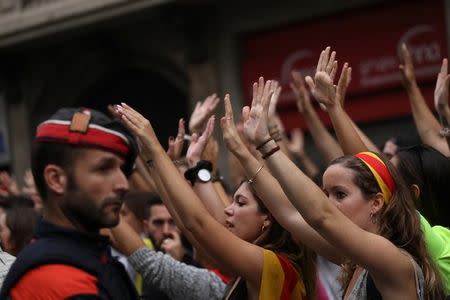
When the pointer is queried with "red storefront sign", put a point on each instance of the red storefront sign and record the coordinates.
(369, 39)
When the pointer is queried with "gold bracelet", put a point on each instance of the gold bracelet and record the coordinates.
(251, 180)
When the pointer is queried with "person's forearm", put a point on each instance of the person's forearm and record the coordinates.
(276, 130)
(347, 135)
(308, 166)
(210, 198)
(366, 140)
(126, 239)
(270, 192)
(446, 115)
(444, 119)
(301, 191)
(426, 124)
(177, 280)
(178, 221)
(221, 193)
(137, 182)
(325, 143)
(142, 170)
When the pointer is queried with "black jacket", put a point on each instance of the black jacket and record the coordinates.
(89, 253)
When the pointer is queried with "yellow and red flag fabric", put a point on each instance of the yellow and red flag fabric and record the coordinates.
(280, 280)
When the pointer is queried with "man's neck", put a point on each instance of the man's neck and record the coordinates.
(57, 217)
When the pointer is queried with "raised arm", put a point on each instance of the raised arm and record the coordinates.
(215, 238)
(323, 89)
(276, 128)
(270, 192)
(205, 190)
(441, 101)
(427, 126)
(361, 246)
(324, 141)
(175, 279)
(296, 146)
(202, 112)
(346, 79)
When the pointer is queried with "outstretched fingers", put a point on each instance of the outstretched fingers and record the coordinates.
(331, 62)
(310, 82)
(333, 70)
(406, 55)
(444, 66)
(323, 60)
(228, 108)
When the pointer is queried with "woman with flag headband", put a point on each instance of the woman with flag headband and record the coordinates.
(371, 219)
(253, 247)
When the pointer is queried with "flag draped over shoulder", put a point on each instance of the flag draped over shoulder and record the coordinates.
(280, 280)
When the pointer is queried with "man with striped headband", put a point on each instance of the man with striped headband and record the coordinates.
(80, 163)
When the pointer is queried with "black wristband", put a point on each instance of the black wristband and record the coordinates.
(191, 173)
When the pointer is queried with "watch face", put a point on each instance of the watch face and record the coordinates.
(204, 175)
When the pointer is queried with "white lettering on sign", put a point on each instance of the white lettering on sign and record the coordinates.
(384, 70)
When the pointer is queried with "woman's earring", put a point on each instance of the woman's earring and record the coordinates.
(263, 227)
(373, 218)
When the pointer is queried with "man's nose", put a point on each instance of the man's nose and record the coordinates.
(121, 184)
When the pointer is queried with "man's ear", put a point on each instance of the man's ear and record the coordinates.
(377, 203)
(55, 179)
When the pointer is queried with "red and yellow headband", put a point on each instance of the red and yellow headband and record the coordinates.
(380, 172)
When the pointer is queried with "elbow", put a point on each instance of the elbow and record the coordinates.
(321, 221)
(194, 224)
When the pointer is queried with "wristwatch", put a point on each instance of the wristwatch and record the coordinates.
(201, 172)
(204, 175)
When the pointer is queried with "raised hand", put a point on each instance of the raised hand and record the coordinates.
(9, 184)
(256, 118)
(276, 88)
(211, 152)
(198, 143)
(230, 133)
(441, 90)
(407, 67)
(296, 144)
(176, 144)
(202, 111)
(343, 83)
(301, 92)
(322, 86)
(140, 127)
(173, 246)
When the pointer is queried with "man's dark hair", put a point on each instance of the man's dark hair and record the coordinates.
(155, 199)
(43, 154)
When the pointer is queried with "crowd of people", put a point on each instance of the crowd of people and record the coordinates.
(107, 213)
